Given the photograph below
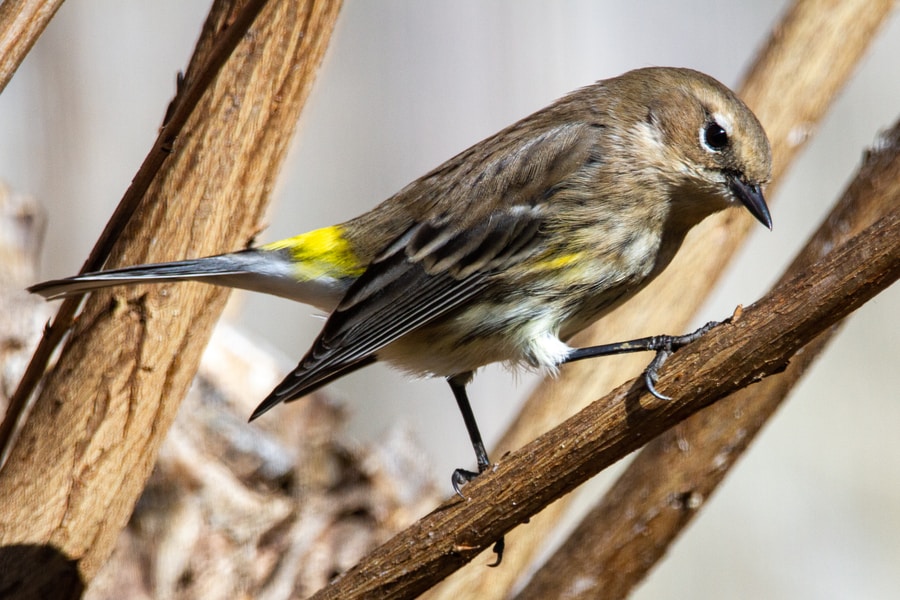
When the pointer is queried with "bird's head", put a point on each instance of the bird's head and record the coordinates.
(702, 139)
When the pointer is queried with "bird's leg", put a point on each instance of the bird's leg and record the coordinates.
(663, 345)
(463, 476)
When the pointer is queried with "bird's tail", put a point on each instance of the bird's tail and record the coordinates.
(261, 270)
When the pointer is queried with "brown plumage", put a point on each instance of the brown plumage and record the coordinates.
(509, 248)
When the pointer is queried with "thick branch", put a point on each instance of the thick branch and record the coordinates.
(755, 344)
(673, 476)
(803, 65)
(215, 46)
(96, 427)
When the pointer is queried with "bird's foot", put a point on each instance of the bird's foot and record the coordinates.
(461, 477)
(665, 345)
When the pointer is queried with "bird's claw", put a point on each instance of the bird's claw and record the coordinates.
(651, 375)
(499, 546)
(461, 477)
(665, 346)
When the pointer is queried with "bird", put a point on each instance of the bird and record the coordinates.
(505, 251)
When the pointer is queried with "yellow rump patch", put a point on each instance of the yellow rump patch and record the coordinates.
(321, 253)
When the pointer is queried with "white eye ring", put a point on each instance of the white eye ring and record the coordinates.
(724, 122)
(725, 127)
(714, 137)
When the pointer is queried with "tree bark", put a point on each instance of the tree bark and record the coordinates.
(88, 446)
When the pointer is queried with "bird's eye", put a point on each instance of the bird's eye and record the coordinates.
(714, 136)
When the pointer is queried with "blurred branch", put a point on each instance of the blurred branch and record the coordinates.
(22, 316)
(92, 437)
(802, 66)
(754, 344)
(21, 23)
(673, 476)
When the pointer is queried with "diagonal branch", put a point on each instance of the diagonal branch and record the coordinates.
(753, 345)
(21, 23)
(619, 540)
(206, 65)
(801, 68)
(97, 424)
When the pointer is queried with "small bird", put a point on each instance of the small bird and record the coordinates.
(511, 247)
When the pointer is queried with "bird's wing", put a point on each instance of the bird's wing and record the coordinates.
(436, 266)
(403, 290)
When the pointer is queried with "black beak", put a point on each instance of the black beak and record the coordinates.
(751, 197)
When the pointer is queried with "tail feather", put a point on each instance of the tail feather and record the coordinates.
(270, 272)
(175, 271)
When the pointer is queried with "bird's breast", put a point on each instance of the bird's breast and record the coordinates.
(525, 312)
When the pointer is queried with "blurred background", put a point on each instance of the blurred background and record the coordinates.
(813, 510)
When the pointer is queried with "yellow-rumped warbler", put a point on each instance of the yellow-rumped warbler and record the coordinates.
(510, 247)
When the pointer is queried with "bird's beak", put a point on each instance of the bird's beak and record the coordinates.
(751, 196)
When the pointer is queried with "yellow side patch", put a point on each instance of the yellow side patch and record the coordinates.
(321, 253)
(557, 262)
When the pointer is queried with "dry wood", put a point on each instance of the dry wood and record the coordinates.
(87, 448)
(270, 510)
(754, 344)
(211, 53)
(808, 58)
(21, 24)
(674, 475)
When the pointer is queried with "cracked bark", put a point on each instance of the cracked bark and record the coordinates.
(96, 426)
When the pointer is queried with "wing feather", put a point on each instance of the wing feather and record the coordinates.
(441, 263)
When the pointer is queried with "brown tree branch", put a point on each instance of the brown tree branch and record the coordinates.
(21, 23)
(805, 62)
(213, 50)
(619, 540)
(756, 343)
(86, 449)
(268, 511)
